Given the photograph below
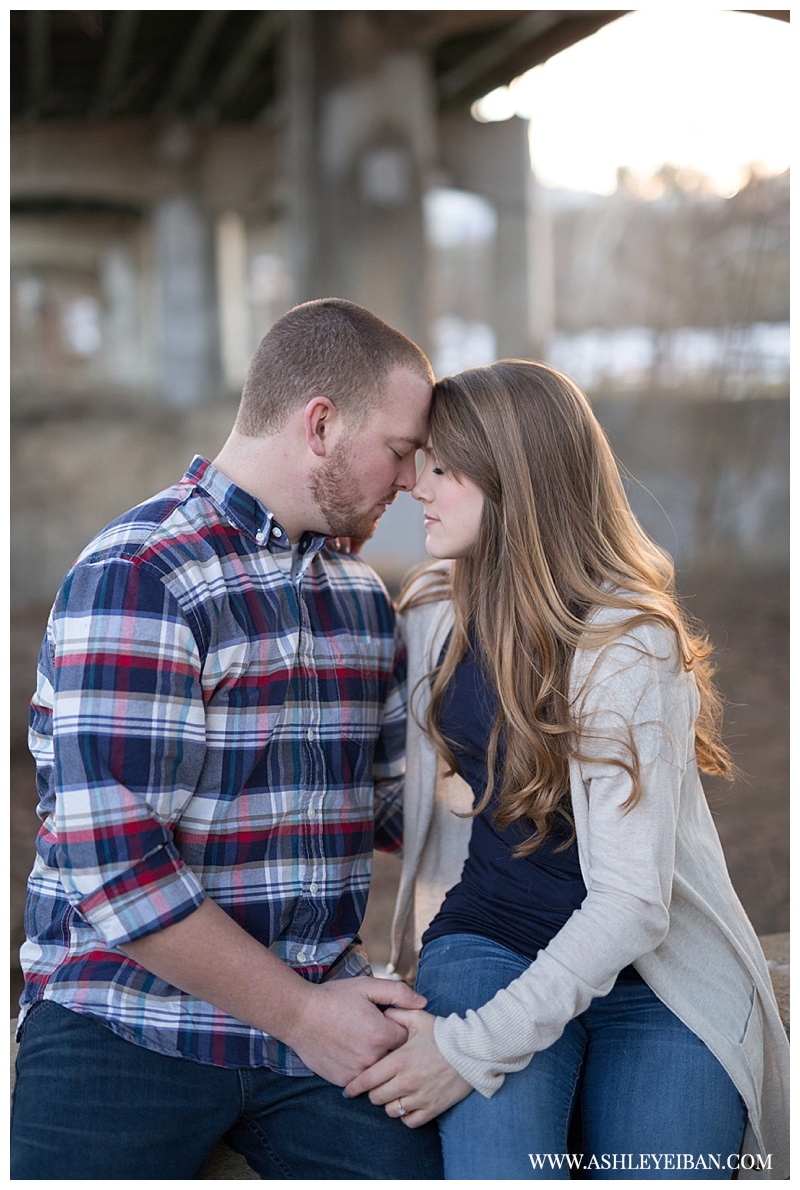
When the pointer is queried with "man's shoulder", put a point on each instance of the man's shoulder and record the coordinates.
(160, 523)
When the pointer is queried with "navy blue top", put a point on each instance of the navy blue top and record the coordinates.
(521, 903)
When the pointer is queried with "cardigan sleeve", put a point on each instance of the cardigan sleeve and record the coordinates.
(634, 690)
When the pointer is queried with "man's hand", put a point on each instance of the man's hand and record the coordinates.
(340, 1031)
(336, 1027)
(416, 1073)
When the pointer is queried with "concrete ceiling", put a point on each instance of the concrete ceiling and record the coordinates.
(223, 66)
(219, 66)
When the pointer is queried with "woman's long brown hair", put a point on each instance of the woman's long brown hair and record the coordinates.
(557, 538)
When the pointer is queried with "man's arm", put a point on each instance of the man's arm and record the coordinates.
(334, 1027)
(129, 734)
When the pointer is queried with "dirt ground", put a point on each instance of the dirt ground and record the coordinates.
(748, 620)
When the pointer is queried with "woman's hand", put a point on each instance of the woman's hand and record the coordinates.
(416, 1073)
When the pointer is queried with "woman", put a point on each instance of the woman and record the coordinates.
(592, 948)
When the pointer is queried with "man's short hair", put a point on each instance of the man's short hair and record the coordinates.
(329, 347)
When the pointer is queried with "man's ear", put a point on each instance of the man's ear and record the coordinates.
(318, 417)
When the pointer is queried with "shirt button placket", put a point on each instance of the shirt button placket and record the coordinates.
(314, 850)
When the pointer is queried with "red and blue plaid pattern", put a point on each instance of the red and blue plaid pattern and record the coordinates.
(204, 724)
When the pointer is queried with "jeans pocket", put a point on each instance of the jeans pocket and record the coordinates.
(34, 1010)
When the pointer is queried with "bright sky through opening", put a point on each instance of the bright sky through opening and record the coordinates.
(700, 88)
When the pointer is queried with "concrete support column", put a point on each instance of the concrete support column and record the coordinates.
(493, 160)
(378, 149)
(361, 144)
(299, 101)
(232, 273)
(122, 338)
(188, 355)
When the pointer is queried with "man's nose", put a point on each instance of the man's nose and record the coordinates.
(407, 475)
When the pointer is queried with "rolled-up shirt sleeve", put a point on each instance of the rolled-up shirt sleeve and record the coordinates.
(128, 739)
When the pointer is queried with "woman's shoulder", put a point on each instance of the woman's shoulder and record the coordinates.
(425, 587)
(425, 611)
(623, 635)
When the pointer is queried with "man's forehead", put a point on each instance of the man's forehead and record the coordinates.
(404, 409)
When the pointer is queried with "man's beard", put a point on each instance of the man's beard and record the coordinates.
(335, 489)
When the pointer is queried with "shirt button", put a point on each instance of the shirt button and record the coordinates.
(301, 956)
(310, 733)
(260, 535)
(312, 813)
(276, 531)
(313, 888)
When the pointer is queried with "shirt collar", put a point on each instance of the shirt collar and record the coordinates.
(245, 511)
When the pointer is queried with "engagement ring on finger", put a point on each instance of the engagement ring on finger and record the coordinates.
(401, 1111)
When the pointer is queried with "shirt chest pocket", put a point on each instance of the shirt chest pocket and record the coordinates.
(352, 684)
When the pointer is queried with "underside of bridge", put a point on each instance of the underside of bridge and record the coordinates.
(308, 139)
(225, 66)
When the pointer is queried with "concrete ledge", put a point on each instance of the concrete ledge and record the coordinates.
(229, 1166)
(776, 950)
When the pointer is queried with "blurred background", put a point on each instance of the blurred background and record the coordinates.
(605, 190)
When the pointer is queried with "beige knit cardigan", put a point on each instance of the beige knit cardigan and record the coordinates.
(658, 891)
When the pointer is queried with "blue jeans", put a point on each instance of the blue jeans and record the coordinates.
(88, 1104)
(645, 1084)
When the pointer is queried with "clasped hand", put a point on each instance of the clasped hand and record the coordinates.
(338, 1028)
(415, 1072)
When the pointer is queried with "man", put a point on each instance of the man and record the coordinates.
(218, 731)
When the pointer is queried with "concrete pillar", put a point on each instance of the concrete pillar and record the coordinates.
(232, 274)
(378, 150)
(122, 323)
(299, 87)
(188, 355)
(494, 160)
(361, 146)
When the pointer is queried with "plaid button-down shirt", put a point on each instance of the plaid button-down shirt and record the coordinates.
(206, 724)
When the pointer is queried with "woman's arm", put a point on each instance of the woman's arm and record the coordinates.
(636, 683)
(416, 1073)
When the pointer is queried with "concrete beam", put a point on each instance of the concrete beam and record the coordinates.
(261, 34)
(39, 63)
(115, 161)
(117, 59)
(187, 71)
(493, 53)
